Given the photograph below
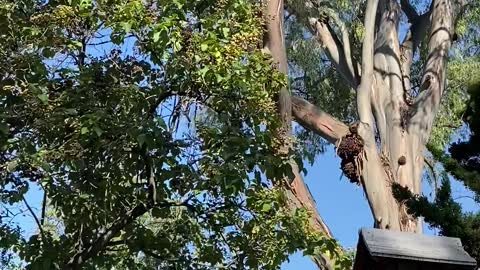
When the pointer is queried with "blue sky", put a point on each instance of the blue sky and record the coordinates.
(341, 204)
(344, 208)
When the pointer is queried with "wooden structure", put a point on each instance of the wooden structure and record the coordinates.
(389, 250)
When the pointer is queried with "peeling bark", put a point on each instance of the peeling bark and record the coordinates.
(298, 194)
(384, 106)
(318, 121)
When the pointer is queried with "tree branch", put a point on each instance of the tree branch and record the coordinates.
(102, 241)
(412, 40)
(334, 50)
(409, 10)
(363, 92)
(152, 186)
(95, 247)
(295, 187)
(40, 228)
(347, 51)
(312, 118)
(444, 13)
(44, 207)
(339, 54)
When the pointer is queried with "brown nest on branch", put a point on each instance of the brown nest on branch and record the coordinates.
(348, 150)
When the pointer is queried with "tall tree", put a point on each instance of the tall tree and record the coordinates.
(388, 142)
(150, 128)
(398, 85)
(97, 123)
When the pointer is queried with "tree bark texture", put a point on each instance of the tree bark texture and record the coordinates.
(297, 192)
(393, 126)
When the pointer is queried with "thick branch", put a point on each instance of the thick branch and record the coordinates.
(433, 80)
(312, 118)
(102, 241)
(347, 51)
(412, 40)
(363, 93)
(94, 248)
(338, 52)
(296, 189)
(335, 50)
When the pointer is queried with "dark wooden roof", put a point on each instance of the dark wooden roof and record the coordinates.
(415, 247)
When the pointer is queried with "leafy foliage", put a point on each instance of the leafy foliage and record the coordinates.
(446, 214)
(148, 126)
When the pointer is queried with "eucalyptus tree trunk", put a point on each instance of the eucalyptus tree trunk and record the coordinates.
(387, 144)
(393, 127)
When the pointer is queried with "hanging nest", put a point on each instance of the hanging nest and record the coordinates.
(349, 150)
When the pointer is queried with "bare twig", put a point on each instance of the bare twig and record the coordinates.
(44, 206)
(34, 217)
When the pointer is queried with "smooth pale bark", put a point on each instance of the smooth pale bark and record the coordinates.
(444, 13)
(312, 118)
(338, 50)
(382, 97)
(374, 178)
(384, 110)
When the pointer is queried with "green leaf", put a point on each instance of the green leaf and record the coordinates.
(12, 165)
(85, 4)
(43, 98)
(70, 111)
(141, 139)
(204, 71)
(178, 3)
(127, 26)
(161, 122)
(203, 47)
(98, 131)
(84, 130)
(266, 207)
(48, 53)
(226, 31)
(177, 46)
(156, 36)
